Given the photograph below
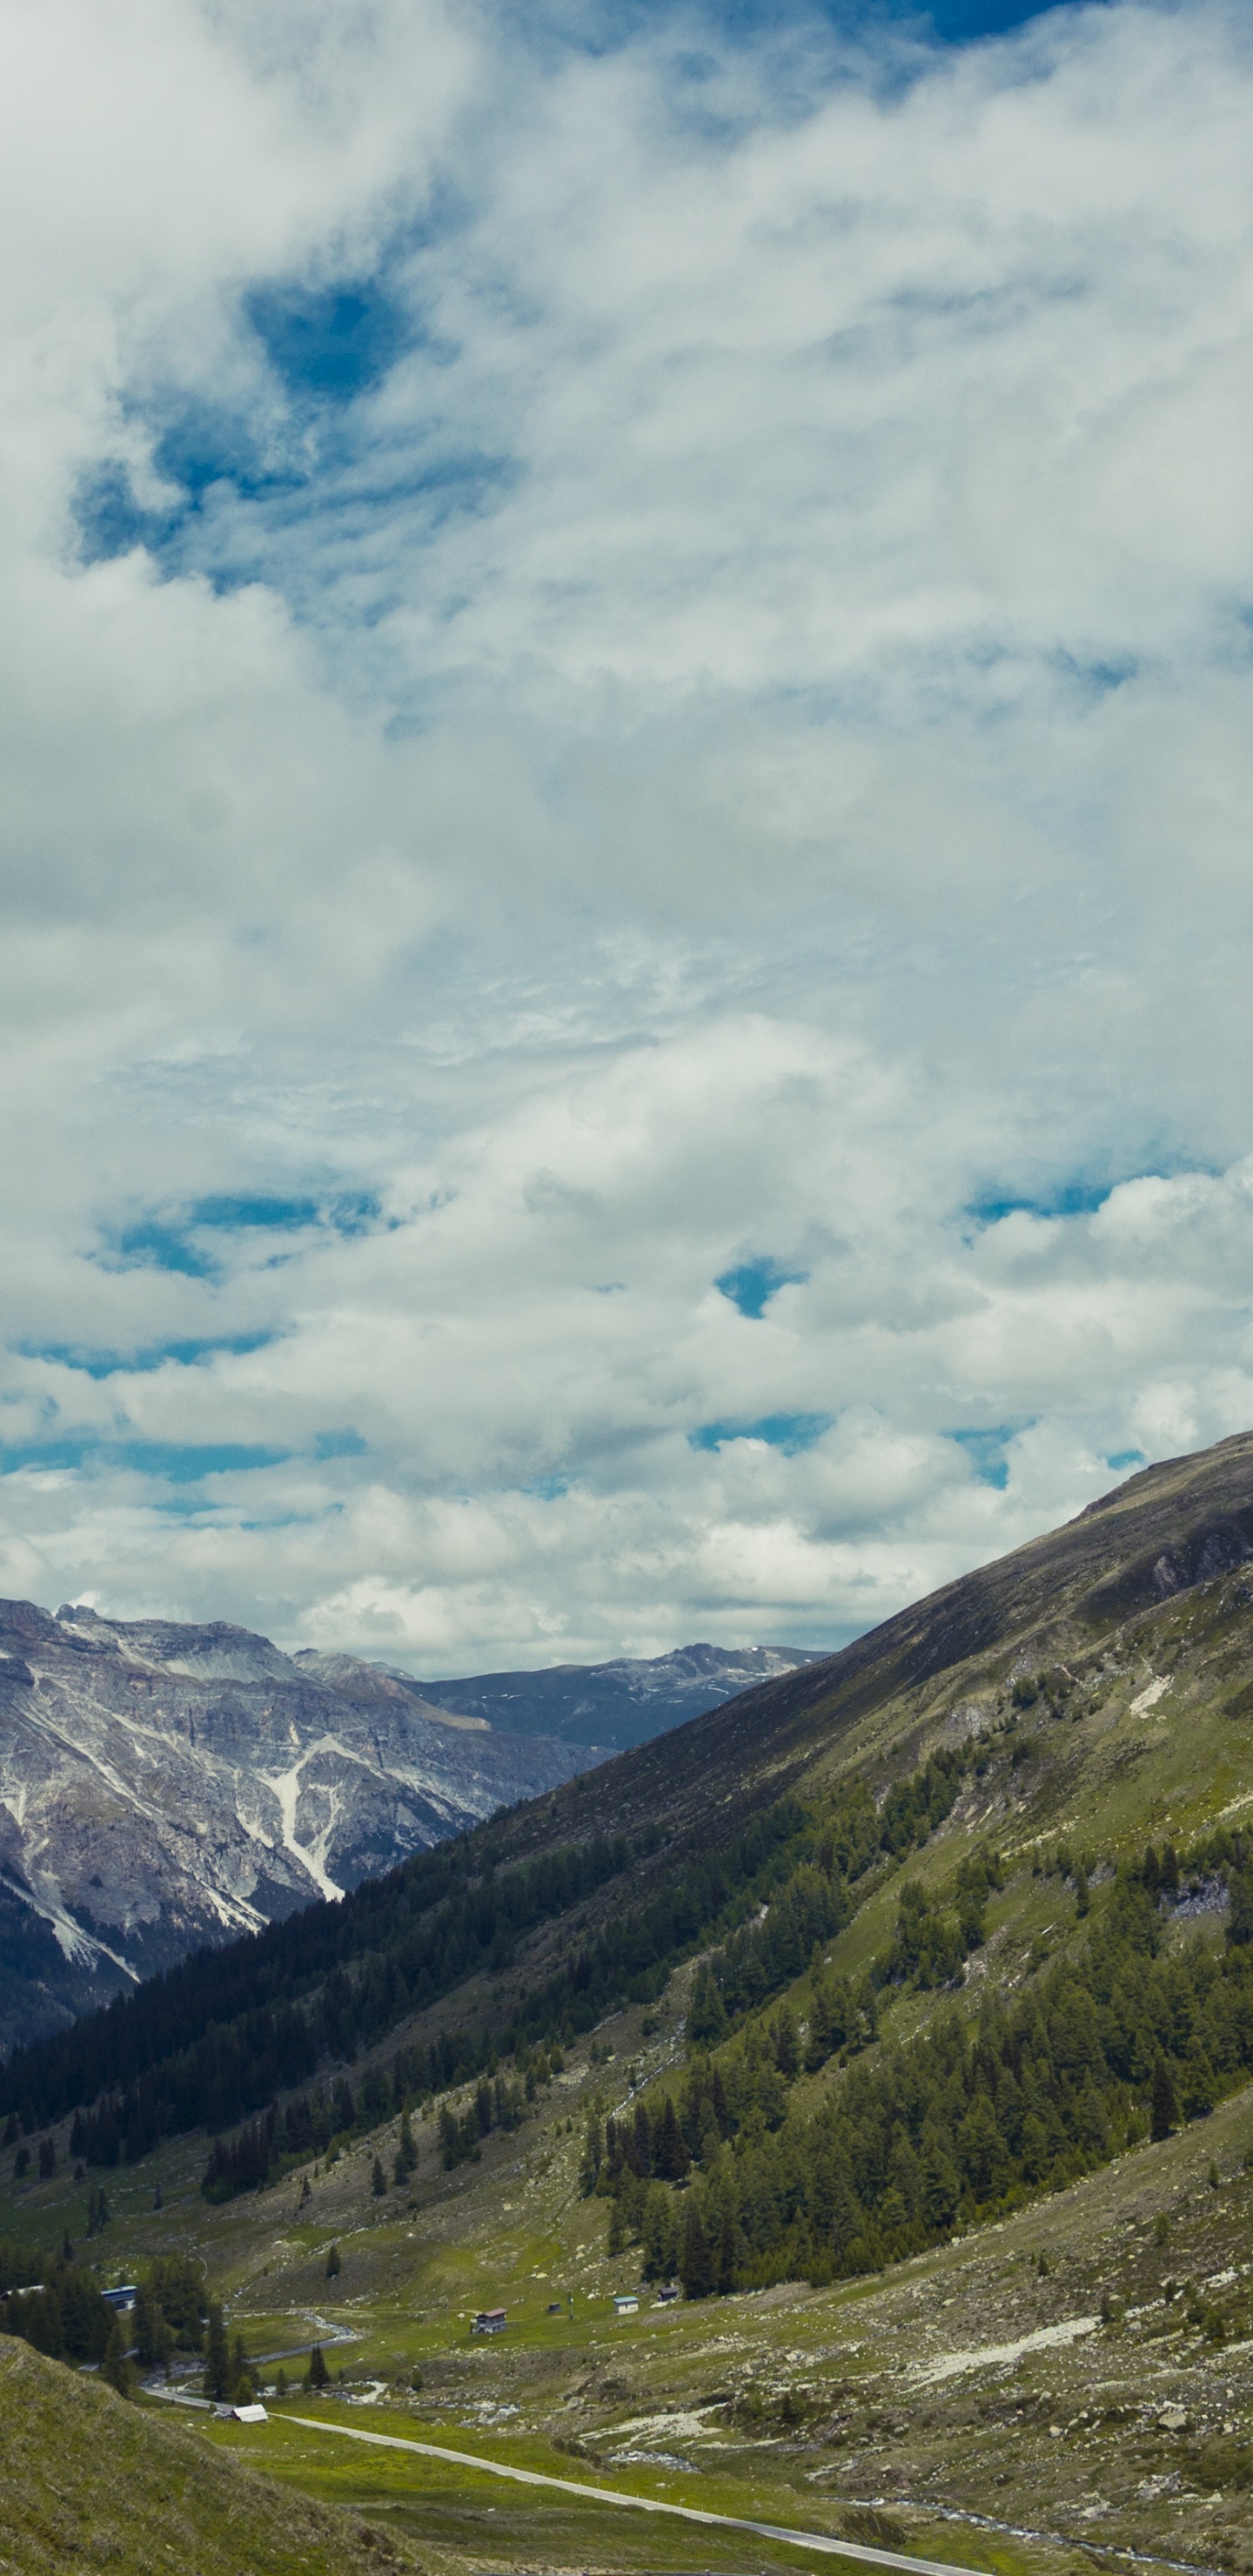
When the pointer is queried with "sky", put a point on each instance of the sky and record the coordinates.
(626, 747)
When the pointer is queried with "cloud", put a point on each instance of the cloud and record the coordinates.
(625, 721)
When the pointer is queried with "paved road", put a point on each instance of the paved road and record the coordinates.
(815, 2540)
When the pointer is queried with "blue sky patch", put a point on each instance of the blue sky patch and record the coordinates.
(102, 1364)
(152, 1244)
(235, 1215)
(339, 1444)
(986, 1451)
(1127, 1458)
(752, 1284)
(1069, 1198)
(176, 1462)
(169, 1242)
(790, 1432)
(332, 343)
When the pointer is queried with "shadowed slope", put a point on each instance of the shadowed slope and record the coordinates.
(90, 2481)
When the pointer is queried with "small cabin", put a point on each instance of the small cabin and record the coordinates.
(254, 2414)
(123, 2300)
(626, 2304)
(490, 2321)
(666, 2297)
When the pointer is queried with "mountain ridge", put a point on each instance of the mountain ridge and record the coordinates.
(874, 1708)
(163, 1784)
(922, 1976)
(621, 1702)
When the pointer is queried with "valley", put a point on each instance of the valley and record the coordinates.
(939, 1955)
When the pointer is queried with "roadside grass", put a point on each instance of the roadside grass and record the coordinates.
(438, 2501)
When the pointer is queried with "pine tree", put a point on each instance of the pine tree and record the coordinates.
(671, 2158)
(378, 2179)
(1165, 2109)
(217, 2360)
(706, 2017)
(593, 2151)
(144, 2323)
(317, 2373)
(696, 2263)
(115, 2367)
(1240, 1922)
(940, 2190)
(787, 2056)
(332, 2262)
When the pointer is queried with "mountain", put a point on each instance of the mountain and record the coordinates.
(164, 1785)
(902, 2007)
(657, 1846)
(621, 1703)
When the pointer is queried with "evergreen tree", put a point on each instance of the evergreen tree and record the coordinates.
(706, 2016)
(332, 2262)
(1165, 2109)
(217, 2362)
(378, 2179)
(939, 2188)
(115, 2367)
(144, 2324)
(317, 2373)
(593, 2151)
(787, 2055)
(671, 2158)
(1240, 1922)
(696, 2263)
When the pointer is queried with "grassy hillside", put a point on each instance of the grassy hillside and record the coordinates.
(90, 2481)
(883, 1938)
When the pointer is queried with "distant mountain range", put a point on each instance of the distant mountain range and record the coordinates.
(163, 1786)
(618, 1704)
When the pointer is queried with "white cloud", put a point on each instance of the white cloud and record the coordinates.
(730, 744)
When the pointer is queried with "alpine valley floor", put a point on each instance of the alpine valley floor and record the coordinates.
(1052, 2369)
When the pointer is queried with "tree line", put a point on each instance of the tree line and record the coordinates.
(738, 2183)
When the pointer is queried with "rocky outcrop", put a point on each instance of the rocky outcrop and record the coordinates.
(162, 1786)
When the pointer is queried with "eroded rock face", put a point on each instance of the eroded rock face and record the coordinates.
(161, 1786)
